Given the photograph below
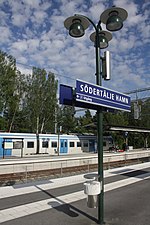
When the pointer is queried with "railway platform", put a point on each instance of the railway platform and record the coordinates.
(40, 166)
(62, 201)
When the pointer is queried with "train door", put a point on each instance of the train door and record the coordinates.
(1, 147)
(63, 146)
(6, 146)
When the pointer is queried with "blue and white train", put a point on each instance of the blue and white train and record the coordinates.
(23, 144)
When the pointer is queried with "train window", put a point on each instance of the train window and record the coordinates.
(8, 145)
(45, 144)
(17, 144)
(71, 144)
(65, 144)
(54, 144)
(30, 144)
(78, 144)
(85, 144)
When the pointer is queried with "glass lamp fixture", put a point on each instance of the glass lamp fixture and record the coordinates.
(104, 38)
(113, 18)
(76, 29)
(103, 42)
(76, 25)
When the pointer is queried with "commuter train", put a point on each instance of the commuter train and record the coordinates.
(23, 144)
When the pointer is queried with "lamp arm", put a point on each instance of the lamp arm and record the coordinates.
(99, 25)
(96, 27)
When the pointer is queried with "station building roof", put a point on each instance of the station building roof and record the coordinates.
(129, 129)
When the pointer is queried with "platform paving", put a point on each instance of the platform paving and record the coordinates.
(66, 205)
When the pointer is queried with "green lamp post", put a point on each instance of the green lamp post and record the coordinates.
(77, 24)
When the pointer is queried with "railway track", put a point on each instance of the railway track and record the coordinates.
(29, 176)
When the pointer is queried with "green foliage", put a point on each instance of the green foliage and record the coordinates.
(119, 119)
(27, 102)
(85, 123)
(41, 101)
(9, 94)
(67, 120)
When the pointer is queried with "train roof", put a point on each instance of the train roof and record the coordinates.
(20, 135)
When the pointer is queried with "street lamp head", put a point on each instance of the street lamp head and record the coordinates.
(104, 38)
(76, 25)
(103, 42)
(113, 18)
(114, 22)
(76, 29)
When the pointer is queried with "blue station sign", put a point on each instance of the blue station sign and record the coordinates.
(100, 96)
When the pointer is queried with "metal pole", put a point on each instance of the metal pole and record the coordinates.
(99, 134)
(58, 147)
(3, 148)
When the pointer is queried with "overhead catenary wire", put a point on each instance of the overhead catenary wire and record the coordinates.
(71, 78)
(59, 75)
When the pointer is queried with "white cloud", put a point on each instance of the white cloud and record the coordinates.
(32, 3)
(19, 20)
(3, 18)
(20, 46)
(33, 45)
(96, 9)
(39, 17)
(5, 34)
(69, 7)
(34, 33)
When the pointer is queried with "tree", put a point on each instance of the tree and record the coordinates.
(85, 123)
(67, 119)
(9, 93)
(41, 101)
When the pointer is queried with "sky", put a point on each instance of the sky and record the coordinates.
(33, 32)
